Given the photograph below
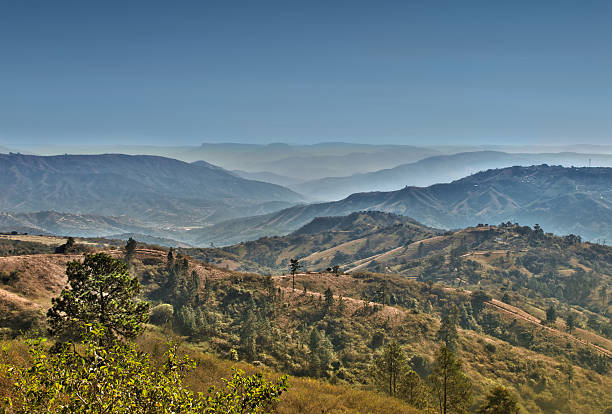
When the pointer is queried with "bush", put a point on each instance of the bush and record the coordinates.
(161, 314)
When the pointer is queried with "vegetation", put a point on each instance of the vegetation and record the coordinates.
(116, 378)
(390, 340)
(100, 290)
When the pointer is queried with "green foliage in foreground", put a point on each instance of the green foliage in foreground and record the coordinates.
(117, 378)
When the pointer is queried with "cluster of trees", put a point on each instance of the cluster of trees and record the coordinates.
(99, 311)
(446, 389)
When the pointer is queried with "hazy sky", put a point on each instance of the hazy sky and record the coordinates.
(426, 72)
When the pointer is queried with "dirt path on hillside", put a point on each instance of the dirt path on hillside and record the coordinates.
(359, 264)
(351, 304)
(520, 314)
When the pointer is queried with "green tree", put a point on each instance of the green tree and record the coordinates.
(570, 322)
(499, 401)
(451, 389)
(117, 378)
(130, 248)
(603, 295)
(412, 389)
(478, 301)
(294, 267)
(100, 290)
(448, 330)
(551, 314)
(568, 369)
(388, 368)
(328, 305)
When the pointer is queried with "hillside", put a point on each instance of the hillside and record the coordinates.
(548, 195)
(498, 343)
(438, 169)
(154, 190)
(322, 243)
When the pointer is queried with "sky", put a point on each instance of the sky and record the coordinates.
(395, 72)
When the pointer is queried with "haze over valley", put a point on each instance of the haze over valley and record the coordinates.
(305, 207)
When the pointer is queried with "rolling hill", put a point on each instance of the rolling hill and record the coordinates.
(562, 200)
(322, 243)
(502, 339)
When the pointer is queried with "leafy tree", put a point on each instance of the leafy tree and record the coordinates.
(451, 389)
(294, 267)
(499, 401)
(388, 368)
(130, 248)
(100, 290)
(162, 314)
(117, 378)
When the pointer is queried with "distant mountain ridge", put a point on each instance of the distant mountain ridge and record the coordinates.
(562, 200)
(438, 169)
(154, 190)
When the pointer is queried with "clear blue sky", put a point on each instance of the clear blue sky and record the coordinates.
(426, 72)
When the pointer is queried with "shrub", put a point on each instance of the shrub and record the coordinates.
(161, 314)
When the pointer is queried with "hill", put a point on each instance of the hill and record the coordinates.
(563, 200)
(439, 169)
(153, 190)
(262, 320)
(322, 243)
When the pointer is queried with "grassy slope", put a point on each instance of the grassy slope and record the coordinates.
(535, 376)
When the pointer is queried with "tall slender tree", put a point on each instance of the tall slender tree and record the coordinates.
(294, 267)
(451, 389)
(388, 368)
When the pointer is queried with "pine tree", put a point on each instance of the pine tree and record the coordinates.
(451, 389)
(294, 267)
(130, 248)
(448, 330)
(100, 290)
(388, 368)
(329, 301)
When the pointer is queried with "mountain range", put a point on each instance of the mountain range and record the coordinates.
(438, 169)
(562, 200)
(156, 191)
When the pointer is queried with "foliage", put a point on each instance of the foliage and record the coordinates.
(162, 314)
(451, 389)
(294, 267)
(100, 290)
(130, 248)
(388, 368)
(499, 401)
(118, 379)
(448, 330)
